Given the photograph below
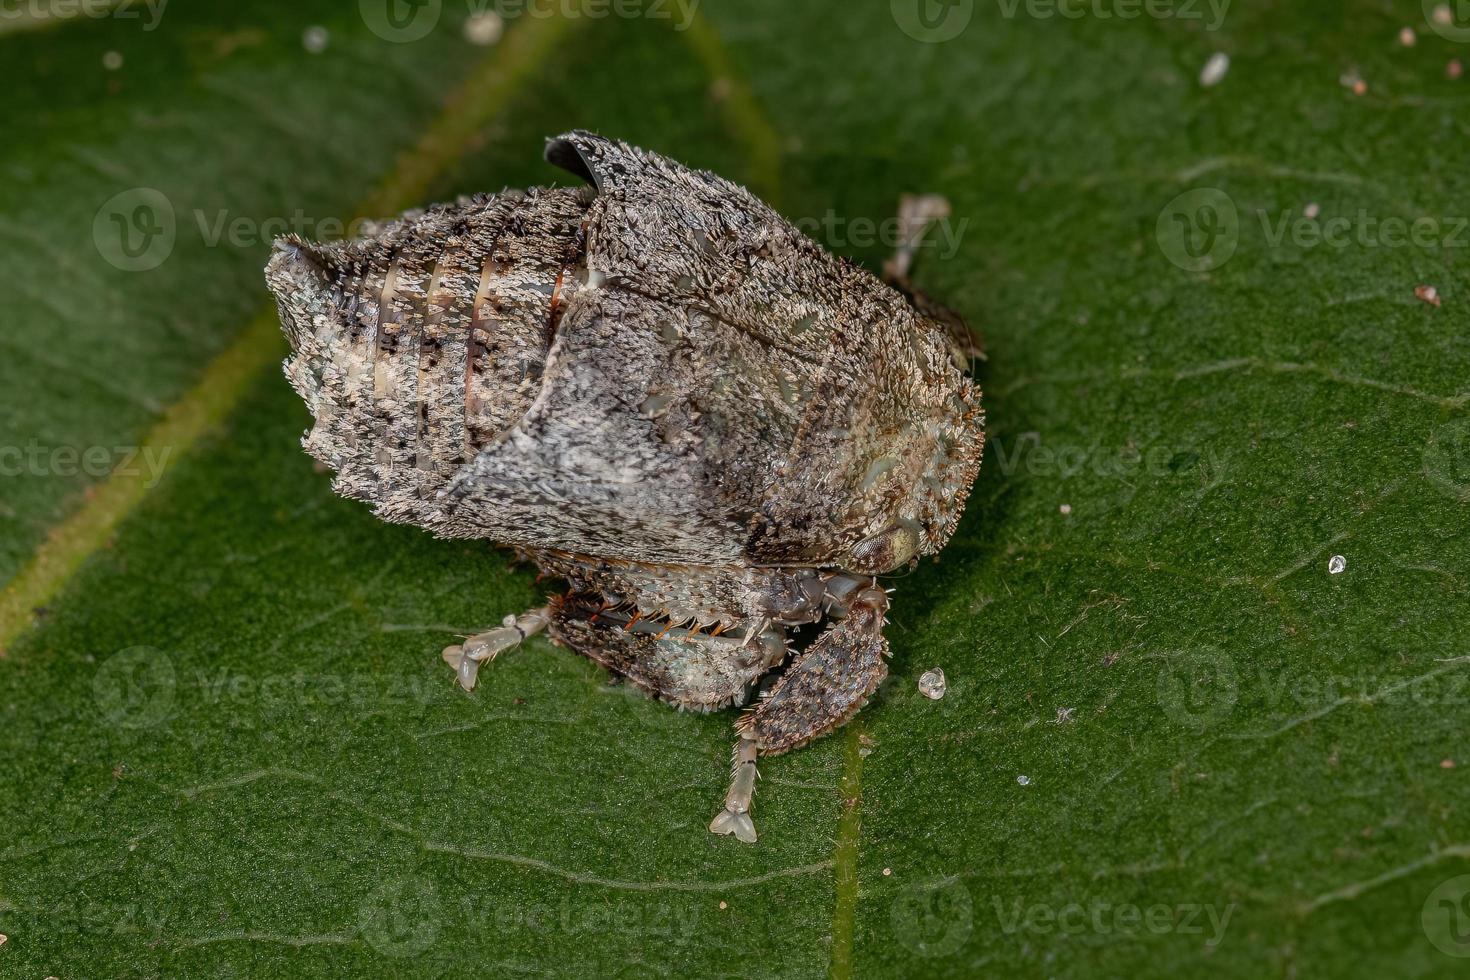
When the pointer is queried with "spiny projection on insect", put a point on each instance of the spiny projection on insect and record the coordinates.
(663, 394)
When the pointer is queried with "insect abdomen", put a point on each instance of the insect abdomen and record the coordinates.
(417, 346)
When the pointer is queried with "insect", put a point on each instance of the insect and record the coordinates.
(662, 393)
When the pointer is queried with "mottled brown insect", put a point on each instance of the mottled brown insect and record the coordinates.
(662, 393)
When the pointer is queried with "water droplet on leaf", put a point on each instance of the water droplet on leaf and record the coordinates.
(932, 684)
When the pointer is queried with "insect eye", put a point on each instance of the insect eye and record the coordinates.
(886, 551)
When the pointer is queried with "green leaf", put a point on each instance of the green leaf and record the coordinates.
(1173, 741)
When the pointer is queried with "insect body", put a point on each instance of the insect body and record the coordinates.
(662, 393)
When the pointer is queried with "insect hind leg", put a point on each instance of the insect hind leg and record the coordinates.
(467, 657)
(823, 688)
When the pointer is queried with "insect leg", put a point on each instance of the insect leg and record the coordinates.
(466, 658)
(735, 818)
(917, 213)
(824, 687)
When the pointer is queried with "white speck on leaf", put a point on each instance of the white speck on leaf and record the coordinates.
(1065, 509)
(112, 60)
(484, 28)
(1214, 70)
(1024, 780)
(1064, 715)
(1427, 294)
(315, 39)
(1336, 565)
(932, 684)
(1311, 210)
(1407, 37)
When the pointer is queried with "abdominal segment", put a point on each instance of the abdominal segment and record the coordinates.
(420, 345)
(700, 670)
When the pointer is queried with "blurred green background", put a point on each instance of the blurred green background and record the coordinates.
(1174, 740)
